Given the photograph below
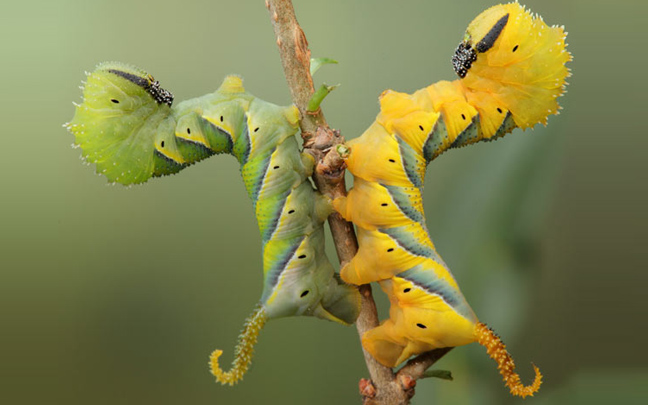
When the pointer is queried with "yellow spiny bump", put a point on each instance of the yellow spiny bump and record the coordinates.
(496, 349)
(244, 350)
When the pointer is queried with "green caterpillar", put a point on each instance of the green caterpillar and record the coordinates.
(129, 128)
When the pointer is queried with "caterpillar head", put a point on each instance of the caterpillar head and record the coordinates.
(124, 111)
(479, 38)
(512, 60)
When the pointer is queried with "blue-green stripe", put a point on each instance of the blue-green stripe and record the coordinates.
(427, 280)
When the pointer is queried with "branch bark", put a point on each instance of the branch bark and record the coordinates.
(385, 387)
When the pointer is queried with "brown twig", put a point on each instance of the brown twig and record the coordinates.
(319, 139)
(417, 366)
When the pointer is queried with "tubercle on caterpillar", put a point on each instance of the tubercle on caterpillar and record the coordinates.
(128, 127)
(512, 70)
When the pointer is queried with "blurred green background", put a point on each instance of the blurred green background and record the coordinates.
(110, 295)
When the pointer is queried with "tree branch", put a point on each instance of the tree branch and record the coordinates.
(320, 141)
(415, 368)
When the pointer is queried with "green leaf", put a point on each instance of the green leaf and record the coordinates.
(442, 374)
(317, 63)
(318, 97)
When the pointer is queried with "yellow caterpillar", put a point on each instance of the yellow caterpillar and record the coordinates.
(512, 69)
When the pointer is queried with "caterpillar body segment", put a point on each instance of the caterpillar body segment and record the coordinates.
(425, 304)
(512, 69)
(385, 252)
(129, 128)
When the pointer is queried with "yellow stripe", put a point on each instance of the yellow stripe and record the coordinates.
(196, 136)
(170, 151)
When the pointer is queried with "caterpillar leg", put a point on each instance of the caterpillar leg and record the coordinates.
(308, 161)
(496, 349)
(244, 350)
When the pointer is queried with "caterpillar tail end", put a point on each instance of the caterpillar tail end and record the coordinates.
(496, 349)
(221, 376)
(244, 350)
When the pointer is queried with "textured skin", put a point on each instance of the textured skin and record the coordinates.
(126, 126)
(513, 83)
